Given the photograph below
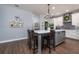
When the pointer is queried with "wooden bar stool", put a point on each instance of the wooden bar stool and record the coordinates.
(32, 41)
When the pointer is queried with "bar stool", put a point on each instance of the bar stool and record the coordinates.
(32, 41)
(52, 32)
(49, 37)
(46, 37)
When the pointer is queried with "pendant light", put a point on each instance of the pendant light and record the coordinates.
(48, 16)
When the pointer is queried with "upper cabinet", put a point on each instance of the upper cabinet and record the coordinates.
(75, 19)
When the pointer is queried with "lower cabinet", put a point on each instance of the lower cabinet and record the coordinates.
(74, 34)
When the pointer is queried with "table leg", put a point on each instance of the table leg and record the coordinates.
(39, 44)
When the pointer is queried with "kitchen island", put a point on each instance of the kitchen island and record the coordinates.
(59, 36)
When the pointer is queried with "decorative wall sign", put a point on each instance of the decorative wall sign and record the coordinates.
(16, 22)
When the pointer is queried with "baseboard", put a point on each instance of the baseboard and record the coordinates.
(13, 40)
(71, 38)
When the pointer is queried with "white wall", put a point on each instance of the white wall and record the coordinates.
(35, 19)
(7, 13)
(58, 21)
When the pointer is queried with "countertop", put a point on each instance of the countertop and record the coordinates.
(59, 30)
(45, 31)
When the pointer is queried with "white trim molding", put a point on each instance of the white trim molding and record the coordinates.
(13, 40)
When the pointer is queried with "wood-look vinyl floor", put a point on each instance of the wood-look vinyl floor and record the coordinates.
(20, 47)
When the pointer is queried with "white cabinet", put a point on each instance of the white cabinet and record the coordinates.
(75, 19)
(72, 34)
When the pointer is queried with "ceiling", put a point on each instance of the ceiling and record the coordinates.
(41, 9)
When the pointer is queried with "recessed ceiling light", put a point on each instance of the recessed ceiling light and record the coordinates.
(53, 7)
(67, 10)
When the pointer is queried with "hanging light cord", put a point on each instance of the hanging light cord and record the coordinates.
(48, 8)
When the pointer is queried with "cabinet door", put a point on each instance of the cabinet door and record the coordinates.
(62, 36)
(57, 37)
